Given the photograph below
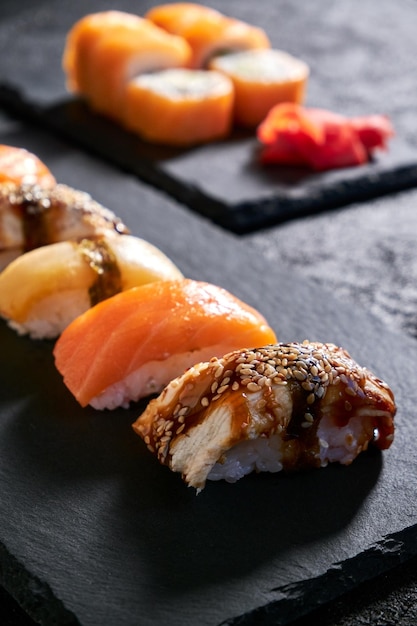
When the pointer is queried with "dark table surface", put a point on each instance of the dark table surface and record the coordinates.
(363, 254)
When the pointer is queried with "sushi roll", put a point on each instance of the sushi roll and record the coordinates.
(105, 50)
(32, 216)
(280, 407)
(207, 31)
(131, 345)
(262, 79)
(21, 167)
(44, 290)
(180, 107)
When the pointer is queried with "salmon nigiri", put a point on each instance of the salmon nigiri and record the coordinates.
(207, 31)
(105, 50)
(18, 165)
(134, 343)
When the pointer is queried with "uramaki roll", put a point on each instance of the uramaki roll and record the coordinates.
(262, 79)
(207, 31)
(180, 107)
(105, 50)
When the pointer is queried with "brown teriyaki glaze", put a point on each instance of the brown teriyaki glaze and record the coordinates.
(320, 379)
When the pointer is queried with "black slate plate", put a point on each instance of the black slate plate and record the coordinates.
(94, 532)
(354, 71)
(223, 181)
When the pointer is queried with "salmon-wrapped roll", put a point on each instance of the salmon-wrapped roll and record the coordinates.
(207, 31)
(105, 50)
(31, 216)
(279, 407)
(180, 107)
(19, 166)
(262, 79)
(45, 289)
(134, 343)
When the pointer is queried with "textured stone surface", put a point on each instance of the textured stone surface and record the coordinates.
(93, 529)
(84, 539)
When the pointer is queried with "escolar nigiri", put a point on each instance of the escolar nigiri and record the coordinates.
(262, 79)
(31, 216)
(133, 344)
(207, 31)
(18, 165)
(44, 290)
(105, 50)
(180, 106)
(279, 407)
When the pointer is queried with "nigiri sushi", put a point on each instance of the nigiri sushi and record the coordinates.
(180, 106)
(45, 289)
(18, 165)
(279, 407)
(131, 345)
(31, 216)
(262, 79)
(105, 50)
(207, 31)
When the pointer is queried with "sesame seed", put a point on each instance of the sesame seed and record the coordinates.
(204, 401)
(253, 387)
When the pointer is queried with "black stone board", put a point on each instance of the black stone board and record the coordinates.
(94, 531)
(362, 62)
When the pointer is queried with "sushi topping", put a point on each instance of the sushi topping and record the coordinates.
(295, 392)
(49, 215)
(319, 139)
(103, 261)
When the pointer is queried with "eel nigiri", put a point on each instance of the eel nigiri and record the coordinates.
(279, 407)
(207, 31)
(18, 165)
(262, 79)
(105, 50)
(133, 344)
(31, 216)
(45, 289)
(180, 107)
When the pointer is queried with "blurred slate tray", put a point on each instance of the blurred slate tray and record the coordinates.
(223, 181)
(354, 71)
(94, 532)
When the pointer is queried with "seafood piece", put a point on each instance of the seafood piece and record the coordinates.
(31, 216)
(20, 166)
(105, 50)
(207, 31)
(134, 343)
(44, 290)
(279, 407)
(320, 139)
(180, 107)
(262, 79)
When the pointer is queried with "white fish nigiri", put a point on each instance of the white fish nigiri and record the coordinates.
(43, 290)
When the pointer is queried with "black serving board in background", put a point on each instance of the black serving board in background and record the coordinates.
(93, 531)
(362, 61)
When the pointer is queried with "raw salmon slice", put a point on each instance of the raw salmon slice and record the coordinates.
(134, 343)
